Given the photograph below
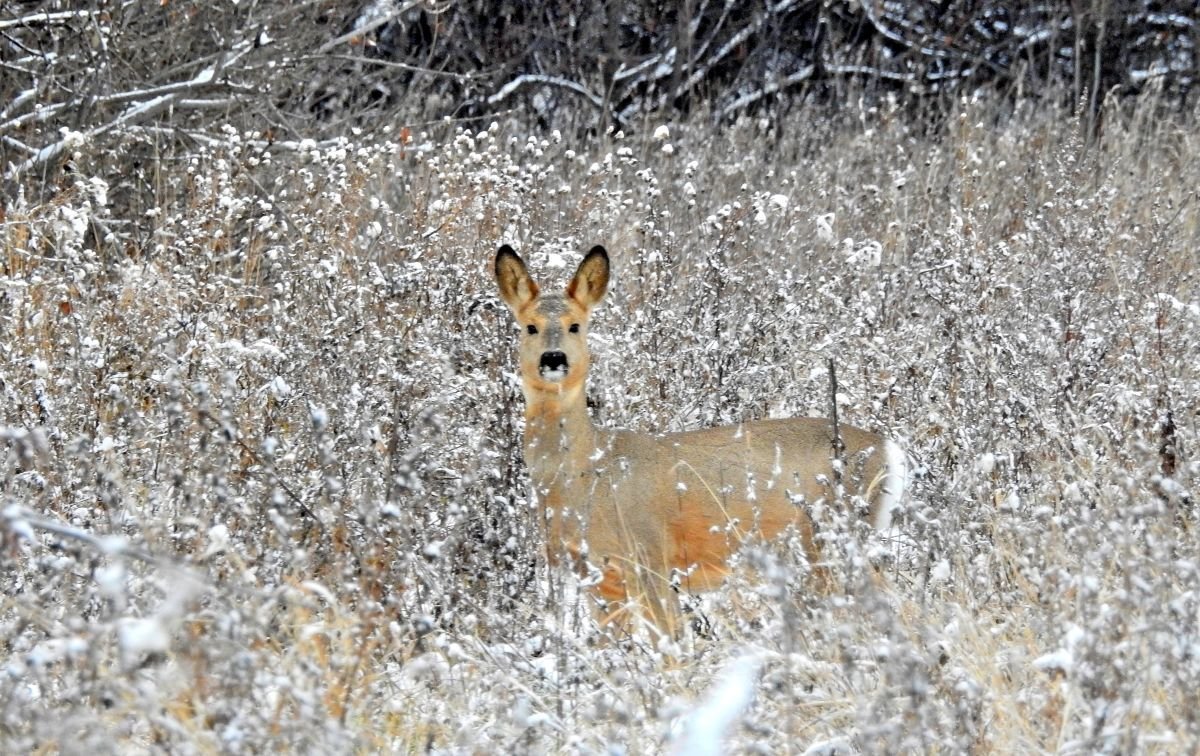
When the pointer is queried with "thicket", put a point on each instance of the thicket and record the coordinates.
(142, 80)
(260, 479)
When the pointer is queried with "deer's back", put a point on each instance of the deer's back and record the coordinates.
(684, 499)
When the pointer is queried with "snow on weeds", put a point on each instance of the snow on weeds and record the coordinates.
(262, 486)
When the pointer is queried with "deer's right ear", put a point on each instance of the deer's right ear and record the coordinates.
(517, 289)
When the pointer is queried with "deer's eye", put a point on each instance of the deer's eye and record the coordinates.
(574, 328)
(531, 329)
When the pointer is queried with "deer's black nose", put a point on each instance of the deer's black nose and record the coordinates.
(553, 362)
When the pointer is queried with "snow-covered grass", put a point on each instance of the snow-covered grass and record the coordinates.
(261, 478)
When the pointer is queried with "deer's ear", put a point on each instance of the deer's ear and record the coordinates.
(591, 279)
(517, 289)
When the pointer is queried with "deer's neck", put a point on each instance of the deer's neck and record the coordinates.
(560, 439)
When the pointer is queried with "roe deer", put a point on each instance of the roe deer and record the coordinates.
(641, 507)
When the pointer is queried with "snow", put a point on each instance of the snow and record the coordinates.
(1056, 661)
(16, 524)
(985, 463)
(832, 747)
(111, 581)
(138, 638)
(705, 729)
(218, 540)
(279, 388)
(318, 416)
(238, 496)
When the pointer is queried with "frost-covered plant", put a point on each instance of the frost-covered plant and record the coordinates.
(260, 467)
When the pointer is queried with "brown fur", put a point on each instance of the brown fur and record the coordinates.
(641, 506)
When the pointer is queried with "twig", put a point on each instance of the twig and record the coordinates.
(886, 33)
(666, 59)
(277, 480)
(855, 70)
(701, 68)
(50, 111)
(839, 446)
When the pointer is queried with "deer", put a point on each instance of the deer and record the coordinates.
(648, 514)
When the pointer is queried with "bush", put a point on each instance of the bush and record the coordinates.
(261, 477)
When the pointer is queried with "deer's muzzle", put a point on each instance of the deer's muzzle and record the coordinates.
(553, 366)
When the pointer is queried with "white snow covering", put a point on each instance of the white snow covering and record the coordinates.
(895, 481)
(1056, 661)
(139, 637)
(706, 727)
(111, 581)
(832, 747)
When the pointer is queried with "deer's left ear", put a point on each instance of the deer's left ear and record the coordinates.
(591, 279)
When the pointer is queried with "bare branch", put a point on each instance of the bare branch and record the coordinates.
(19, 101)
(887, 33)
(46, 19)
(870, 72)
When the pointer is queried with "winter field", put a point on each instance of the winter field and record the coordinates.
(262, 481)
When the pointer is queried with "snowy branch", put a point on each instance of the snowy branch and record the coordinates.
(362, 27)
(157, 100)
(700, 72)
(204, 79)
(885, 32)
(770, 89)
(527, 80)
(45, 19)
(22, 523)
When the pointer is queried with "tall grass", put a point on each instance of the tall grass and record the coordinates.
(262, 487)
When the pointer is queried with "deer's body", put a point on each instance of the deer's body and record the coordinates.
(641, 507)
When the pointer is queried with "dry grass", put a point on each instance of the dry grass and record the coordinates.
(262, 491)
